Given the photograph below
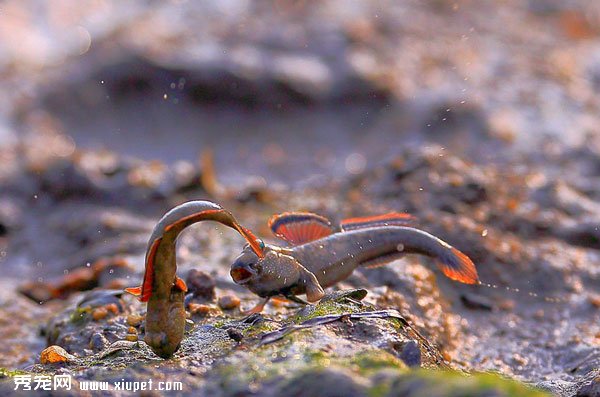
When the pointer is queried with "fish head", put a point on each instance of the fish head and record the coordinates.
(265, 276)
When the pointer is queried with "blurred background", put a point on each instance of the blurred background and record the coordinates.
(480, 117)
(291, 90)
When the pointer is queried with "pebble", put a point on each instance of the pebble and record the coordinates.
(507, 305)
(98, 342)
(235, 334)
(131, 338)
(476, 302)
(201, 284)
(134, 320)
(54, 354)
(99, 313)
(594, 300)
(132, 335)
(228, 302)
(198, 308)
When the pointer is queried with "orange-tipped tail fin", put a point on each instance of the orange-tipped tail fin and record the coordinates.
(459, 267)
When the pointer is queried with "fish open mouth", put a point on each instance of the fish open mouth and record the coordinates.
(241, 275)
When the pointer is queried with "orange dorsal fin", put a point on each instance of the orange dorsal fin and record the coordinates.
(179, 283)
(389, 219)
(300, 227)
(458, 267)
(135, 291)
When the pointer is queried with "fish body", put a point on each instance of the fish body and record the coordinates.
(163, 291)
(309, 267)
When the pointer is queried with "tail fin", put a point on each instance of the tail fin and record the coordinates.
(459, 267)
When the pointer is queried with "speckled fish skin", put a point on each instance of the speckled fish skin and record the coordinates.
(333, 258)
(165, 314)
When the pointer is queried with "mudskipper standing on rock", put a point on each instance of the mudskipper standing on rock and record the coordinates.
(320, 257)
(161, 288)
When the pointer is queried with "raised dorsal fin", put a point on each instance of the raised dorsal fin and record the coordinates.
(300, 227)
(389, 219)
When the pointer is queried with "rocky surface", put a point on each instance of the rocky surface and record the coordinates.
(488, 135)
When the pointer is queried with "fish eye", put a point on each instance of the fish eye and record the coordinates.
(261, 244)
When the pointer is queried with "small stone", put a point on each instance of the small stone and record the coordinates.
(594, 300)
(132, 330)
(134, 320)
(54, 354)
(235, 334)
(476, 302)
(98, 342)
(200, 309)
(228, 302)
(99, 313)
(519, 359)
(506, 305)
(201, 284)
(131, 337)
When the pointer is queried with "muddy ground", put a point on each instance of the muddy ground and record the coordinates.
(489, 136)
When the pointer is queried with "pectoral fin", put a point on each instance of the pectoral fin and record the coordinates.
(135, 291)
(179, 283)
(314, 291)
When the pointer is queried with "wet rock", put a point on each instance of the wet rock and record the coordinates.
(99, 311)
(111, 299)
(346, 294)
(585, 235)
(54, 355)
(201, 285)
(328, 381)
(591, 389)
(79, 279)
(98, 342)
(229, 302)
(558, 387)
(476, 302)
(410, 353)
(448, 383)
